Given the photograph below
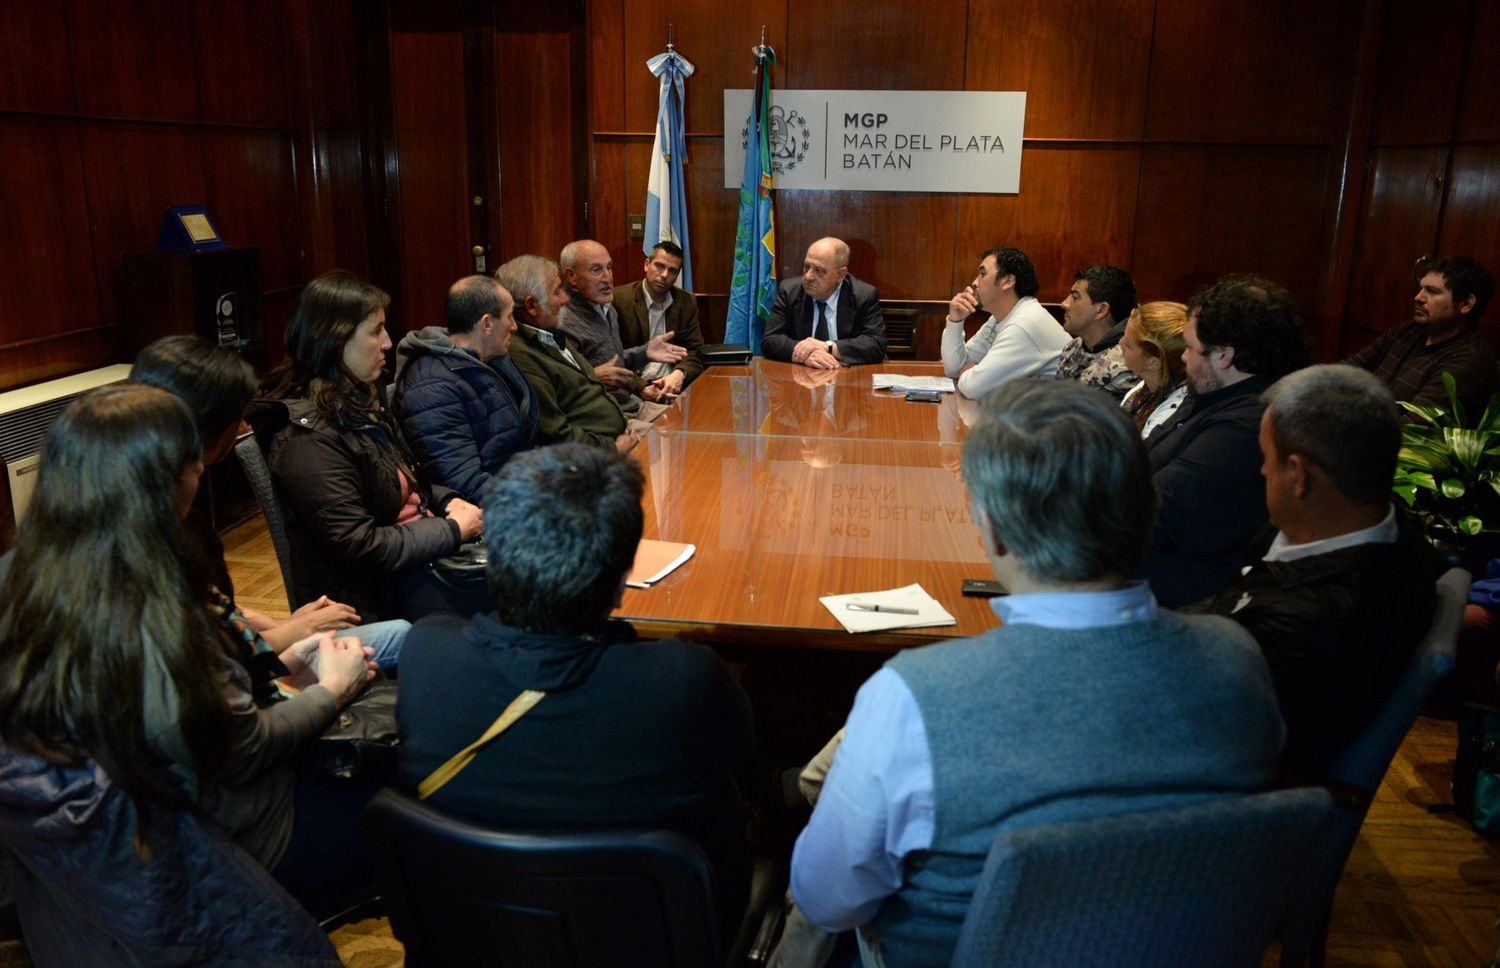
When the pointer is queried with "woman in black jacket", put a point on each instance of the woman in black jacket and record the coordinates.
(367, 524)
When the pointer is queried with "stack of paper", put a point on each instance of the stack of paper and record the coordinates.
(897, 608)
(655, 560)
(896, 381)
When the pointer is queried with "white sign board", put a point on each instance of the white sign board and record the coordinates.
(885, 141)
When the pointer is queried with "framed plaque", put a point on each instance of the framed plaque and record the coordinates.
(187, 228)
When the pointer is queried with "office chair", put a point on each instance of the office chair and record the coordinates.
(1357, 772)
(258, 473)
(459, 893)
(1206, 884)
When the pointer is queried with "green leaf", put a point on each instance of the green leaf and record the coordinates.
(1470, 525)
(1417, 479)
(1408, 493)
(1436, 416)
(1467, 445)
(1490, 421)
(1452, 387)
(1429, 457)
(1453, 488)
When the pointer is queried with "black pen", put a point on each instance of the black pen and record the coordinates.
(861, 607)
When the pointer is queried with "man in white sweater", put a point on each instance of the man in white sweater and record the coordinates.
(1020, 339)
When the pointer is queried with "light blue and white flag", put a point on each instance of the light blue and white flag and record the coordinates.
(666, 192)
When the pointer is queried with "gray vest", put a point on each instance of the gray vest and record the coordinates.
(1028, 725)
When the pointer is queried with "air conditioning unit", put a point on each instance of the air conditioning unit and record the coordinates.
(25, 417)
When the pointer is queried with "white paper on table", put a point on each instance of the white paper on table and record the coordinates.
(895, 381)
(929, 612)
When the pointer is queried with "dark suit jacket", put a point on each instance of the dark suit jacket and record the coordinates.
(631, 303)
(861, 326)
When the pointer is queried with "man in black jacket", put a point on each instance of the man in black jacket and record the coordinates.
(827, 318)
(1339, 596)
(1242, 334)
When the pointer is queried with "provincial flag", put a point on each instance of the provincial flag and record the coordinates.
(666, 191)
(753, 285)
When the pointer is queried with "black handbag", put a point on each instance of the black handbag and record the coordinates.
(361, 744)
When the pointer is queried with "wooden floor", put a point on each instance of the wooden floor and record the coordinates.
(1421, 888)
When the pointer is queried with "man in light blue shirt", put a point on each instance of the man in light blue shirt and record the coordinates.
(1088, 702)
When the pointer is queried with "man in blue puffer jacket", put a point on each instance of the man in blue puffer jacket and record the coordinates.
(463, 405)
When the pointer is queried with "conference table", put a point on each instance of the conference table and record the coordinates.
(794, 484)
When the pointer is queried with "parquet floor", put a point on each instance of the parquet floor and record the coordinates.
(1421, 888)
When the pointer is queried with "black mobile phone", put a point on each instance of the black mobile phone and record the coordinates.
(983, 588)
(924, 396)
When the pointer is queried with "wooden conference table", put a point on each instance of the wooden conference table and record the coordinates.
(796, 483)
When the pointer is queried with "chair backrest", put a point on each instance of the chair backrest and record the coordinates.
(1360, 768)
(1364, 763)
(459, 893)
(258, 473)
(1205, 884)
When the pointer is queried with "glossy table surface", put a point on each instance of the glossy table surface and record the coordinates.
(795, 484)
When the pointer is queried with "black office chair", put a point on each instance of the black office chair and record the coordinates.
(1357, 772)
(1206, 884)
(258, 473)
(462, 894)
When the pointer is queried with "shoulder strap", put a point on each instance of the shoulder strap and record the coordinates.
(518, 707)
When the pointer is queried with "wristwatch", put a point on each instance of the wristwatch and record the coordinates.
(830, 347)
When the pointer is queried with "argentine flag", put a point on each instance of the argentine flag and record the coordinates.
(666, 192)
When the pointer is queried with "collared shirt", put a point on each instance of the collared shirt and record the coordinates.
(657, 314)
(1386, 532)
(877, 805)
(546, 337)
(831, 313)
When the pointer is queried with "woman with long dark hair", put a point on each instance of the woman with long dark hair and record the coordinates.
(367, 524)
(109, 652)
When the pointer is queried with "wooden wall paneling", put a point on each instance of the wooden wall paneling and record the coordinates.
(88, 348)
(277, 307)
(1270, 72)
(253, 198)
(1422, 59)
(1398, 224)
(717, 38)
(1477, 118)
(1082, 63)
(46, 256)
(539, 208)
(1471, 215)
(431, 131)
(242, 61)
(899, 243)
(607, 54)
(1076, 208)
(134, 172)
(1326, 312)
(610, 205)
(336, 30)
(346, 205)
(134, 59)
(35, 71)
(1205, 211)
(888, 47)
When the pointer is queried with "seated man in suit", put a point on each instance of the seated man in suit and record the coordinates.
(571, 402)
(628, 733)
(1019, 340)
(658, 307)
(1243, 333)
(828, 318)
(1088, 702)
(1443, 335)
(590, 320)
(1339, 596)
(464, 406)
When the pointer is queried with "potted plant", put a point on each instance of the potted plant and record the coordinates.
(1448, 474)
